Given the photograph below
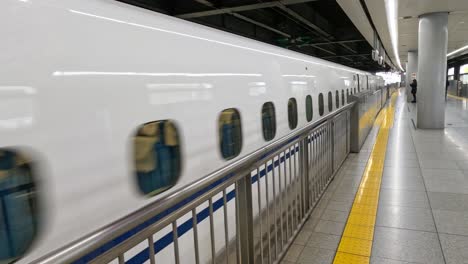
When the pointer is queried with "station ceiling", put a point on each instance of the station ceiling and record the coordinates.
(408, 23)
(408, 12)
(318, 28)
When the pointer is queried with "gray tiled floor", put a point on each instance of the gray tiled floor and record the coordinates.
(321, 240)
(451, 222)
(379, 260)
(448, 201)
(425, 221)
(329, 227)
(455, 248)
(405, 218)
(423, 205)
(333, 215)
(403, 198)
(407, 245)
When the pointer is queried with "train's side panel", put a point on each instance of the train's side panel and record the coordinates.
(87, 73)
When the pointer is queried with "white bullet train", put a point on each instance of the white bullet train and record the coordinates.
(106, 107)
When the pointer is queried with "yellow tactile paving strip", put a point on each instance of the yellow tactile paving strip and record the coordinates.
(356, 243)
(458, 97)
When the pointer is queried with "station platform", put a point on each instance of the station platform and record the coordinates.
(402, 199)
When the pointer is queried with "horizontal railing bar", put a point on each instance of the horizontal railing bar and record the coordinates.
(89, 243)
(276, 153)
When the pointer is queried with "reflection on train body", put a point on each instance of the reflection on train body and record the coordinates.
(18, 208)
(157, 156)
(230, 133)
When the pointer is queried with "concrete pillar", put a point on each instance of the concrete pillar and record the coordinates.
(432, 70)
(411, 73)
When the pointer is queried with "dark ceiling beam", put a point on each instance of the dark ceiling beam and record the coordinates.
(148, 6)
(323, 49)
(209, 4)
(347, 55)
(313, 26)
(338, 59)
(331, 42)
(347, 47)
(261, 25)
(204, 2)
(304, 21)
(242, 8)
(239, 16)
(341, 41)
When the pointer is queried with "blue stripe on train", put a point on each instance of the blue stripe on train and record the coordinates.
(186, 226)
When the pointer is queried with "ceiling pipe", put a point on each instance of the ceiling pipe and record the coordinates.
(238, 8)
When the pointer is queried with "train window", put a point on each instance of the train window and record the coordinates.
(292, 113)
(330, 102)
(309, 110)
(354, 90)
(342, 98)
(19, 216)
(268, 121)
(337, 99)
(230, 133)
(321, 104)
(157, 159)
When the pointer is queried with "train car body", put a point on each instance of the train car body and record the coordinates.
(79, 78)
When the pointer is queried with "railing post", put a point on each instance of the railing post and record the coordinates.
(245, 219)
(304, 148)
(332, 137)
(348, 131)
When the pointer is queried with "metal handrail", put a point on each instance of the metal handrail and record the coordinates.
(95, 240)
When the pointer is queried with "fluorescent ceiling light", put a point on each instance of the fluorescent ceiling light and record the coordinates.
(391, 8)
(458, 50)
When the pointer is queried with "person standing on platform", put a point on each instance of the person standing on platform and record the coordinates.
(446, 89)
(414, 89)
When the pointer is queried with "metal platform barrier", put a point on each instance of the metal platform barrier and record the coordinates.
(251, 210)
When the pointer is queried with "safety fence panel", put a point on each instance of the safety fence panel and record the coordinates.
(249, 213)
(341, 132)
